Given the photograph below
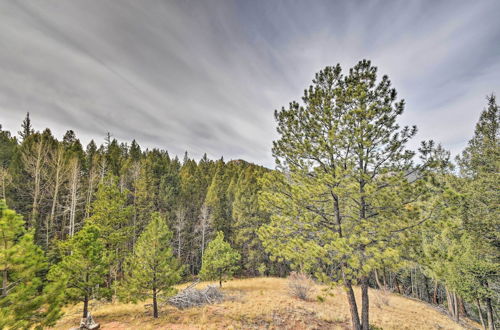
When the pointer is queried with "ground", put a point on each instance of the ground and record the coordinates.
(264, 303)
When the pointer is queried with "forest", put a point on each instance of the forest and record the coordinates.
(348, 204)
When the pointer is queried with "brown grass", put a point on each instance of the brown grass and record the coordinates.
(265, 303)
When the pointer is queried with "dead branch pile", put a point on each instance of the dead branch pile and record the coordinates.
(191, 297)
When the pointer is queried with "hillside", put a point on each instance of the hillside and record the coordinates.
(265, 303)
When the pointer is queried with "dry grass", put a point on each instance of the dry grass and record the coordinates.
(265, 303)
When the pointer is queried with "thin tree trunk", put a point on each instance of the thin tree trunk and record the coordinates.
(449, 301)
(37, 176)
(380, 286)
(411, 283)
(365, 324)
(90, 190)
(489, 314)
(55, 195)
(435, 295)
(353, 307)
(478, 304)
(397, 283)
(461, 307)
(455, 307)
(427, 293)
(85, 306)
(155, 304)
(74, 188)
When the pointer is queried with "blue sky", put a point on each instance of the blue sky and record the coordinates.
(206, 76)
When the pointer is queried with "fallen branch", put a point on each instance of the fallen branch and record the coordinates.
(191, 297)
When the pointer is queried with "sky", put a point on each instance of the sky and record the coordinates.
(206, 76)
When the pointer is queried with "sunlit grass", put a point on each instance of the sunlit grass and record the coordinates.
(265, 302)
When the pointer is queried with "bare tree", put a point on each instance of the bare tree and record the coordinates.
(135, 172)
(74, 167)
(34, 157)
(204, 226)
(5, 180)
(179, 227)
(93, 176)
(57, 162)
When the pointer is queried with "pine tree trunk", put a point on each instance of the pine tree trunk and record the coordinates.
(365, 324)
(427, 293)
(455, 307)
(461, 307)
(85, 306)
(435, 296)
(489, 314)
(74, 188)
(353, 307)
(478, 304)
(449, 301)
(37, 179)
(397, 283)
(380, 286)
(155, 304)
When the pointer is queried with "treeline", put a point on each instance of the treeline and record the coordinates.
(59, 186)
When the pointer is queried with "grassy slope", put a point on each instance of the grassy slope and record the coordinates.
(265, 303)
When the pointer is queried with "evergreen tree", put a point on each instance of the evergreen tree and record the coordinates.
(135, 151)
(84, 266)
(248, 216)
(220, 260)
(216, 201)
(26, 128)
(112, 215)
(345, 193)
(152, 269)
(24, 302)
(480, 165)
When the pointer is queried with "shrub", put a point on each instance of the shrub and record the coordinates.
(300, 285)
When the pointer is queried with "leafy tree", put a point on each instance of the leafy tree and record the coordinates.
(347, 190)
(24, 302)
(219, 260)
(152, 269)
(84, 266)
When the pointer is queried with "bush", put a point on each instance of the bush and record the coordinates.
(300, 285)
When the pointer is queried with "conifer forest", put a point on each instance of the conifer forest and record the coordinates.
(352, 213)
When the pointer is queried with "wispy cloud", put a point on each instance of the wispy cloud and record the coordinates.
(206, 76)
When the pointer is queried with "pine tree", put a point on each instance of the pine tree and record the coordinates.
(84, 266)
(24, 302)
(152, 269)
(26, 128)
(220, 260)
(248, 216)
(344, 194)
(217, 202)
(480, 165)
(112, 215)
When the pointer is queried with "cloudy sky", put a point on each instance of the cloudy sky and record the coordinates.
(206, 76)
